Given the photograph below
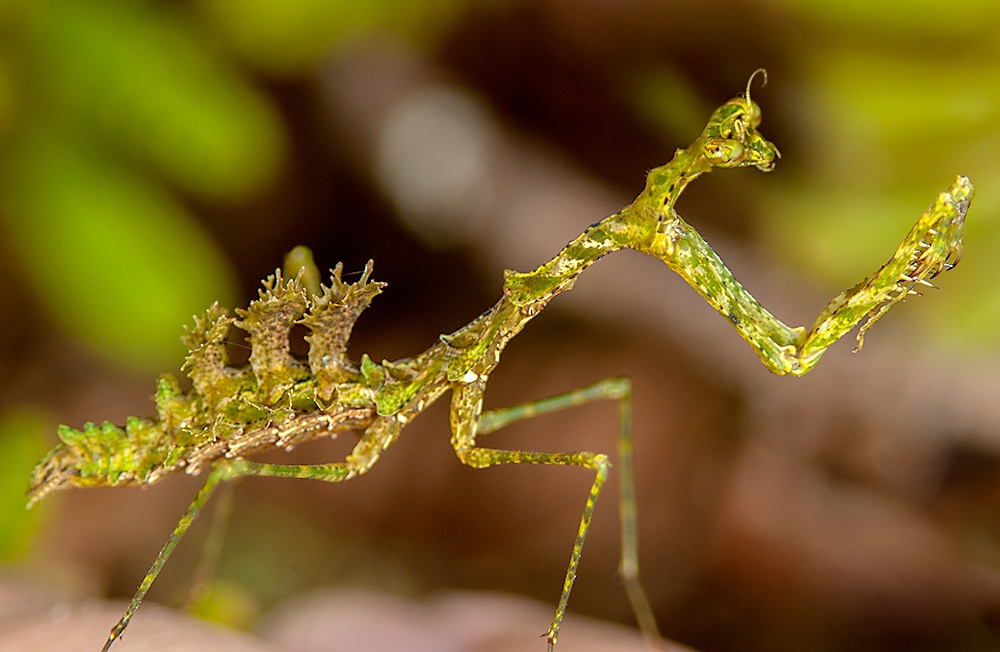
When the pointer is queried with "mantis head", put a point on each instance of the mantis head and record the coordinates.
(731, 136)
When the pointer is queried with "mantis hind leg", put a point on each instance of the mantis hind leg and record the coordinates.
(212, 550)
(365, 454)
(468, 421)
(222, 472)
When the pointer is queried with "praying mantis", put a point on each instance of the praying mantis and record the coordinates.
(279, 401)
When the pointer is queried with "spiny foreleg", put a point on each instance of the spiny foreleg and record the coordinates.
(933, 245)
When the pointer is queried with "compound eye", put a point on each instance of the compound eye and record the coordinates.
(724, 152)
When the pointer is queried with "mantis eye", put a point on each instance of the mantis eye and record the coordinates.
(724, 152)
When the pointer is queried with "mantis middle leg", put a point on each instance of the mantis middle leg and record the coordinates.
(468, 421)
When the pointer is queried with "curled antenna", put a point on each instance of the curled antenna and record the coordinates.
(750, 82)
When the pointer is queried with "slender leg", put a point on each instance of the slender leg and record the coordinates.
(217, 475)
(629, 566)
(209, 561)
(366, 452)
(468, 421)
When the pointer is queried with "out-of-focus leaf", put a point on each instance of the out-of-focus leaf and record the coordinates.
(882, 112)
(116, 260)
(667, 101)
(286, 37)
(22, 444)
(827, 222)
(140, 78)
(914, 18)
(225, 602)
(8, 98)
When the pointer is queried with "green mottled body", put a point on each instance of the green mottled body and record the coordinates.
(279, 401)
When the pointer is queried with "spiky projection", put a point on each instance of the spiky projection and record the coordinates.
(231, 411)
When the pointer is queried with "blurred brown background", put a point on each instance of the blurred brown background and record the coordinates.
(156, 156)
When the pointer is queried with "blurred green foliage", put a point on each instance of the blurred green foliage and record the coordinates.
(114, 257)
(112, 111)
(226, 602)
(143, 81)
(113, 106)
(22, 444)
(289, 37)
(893, 20)
(666, 100)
